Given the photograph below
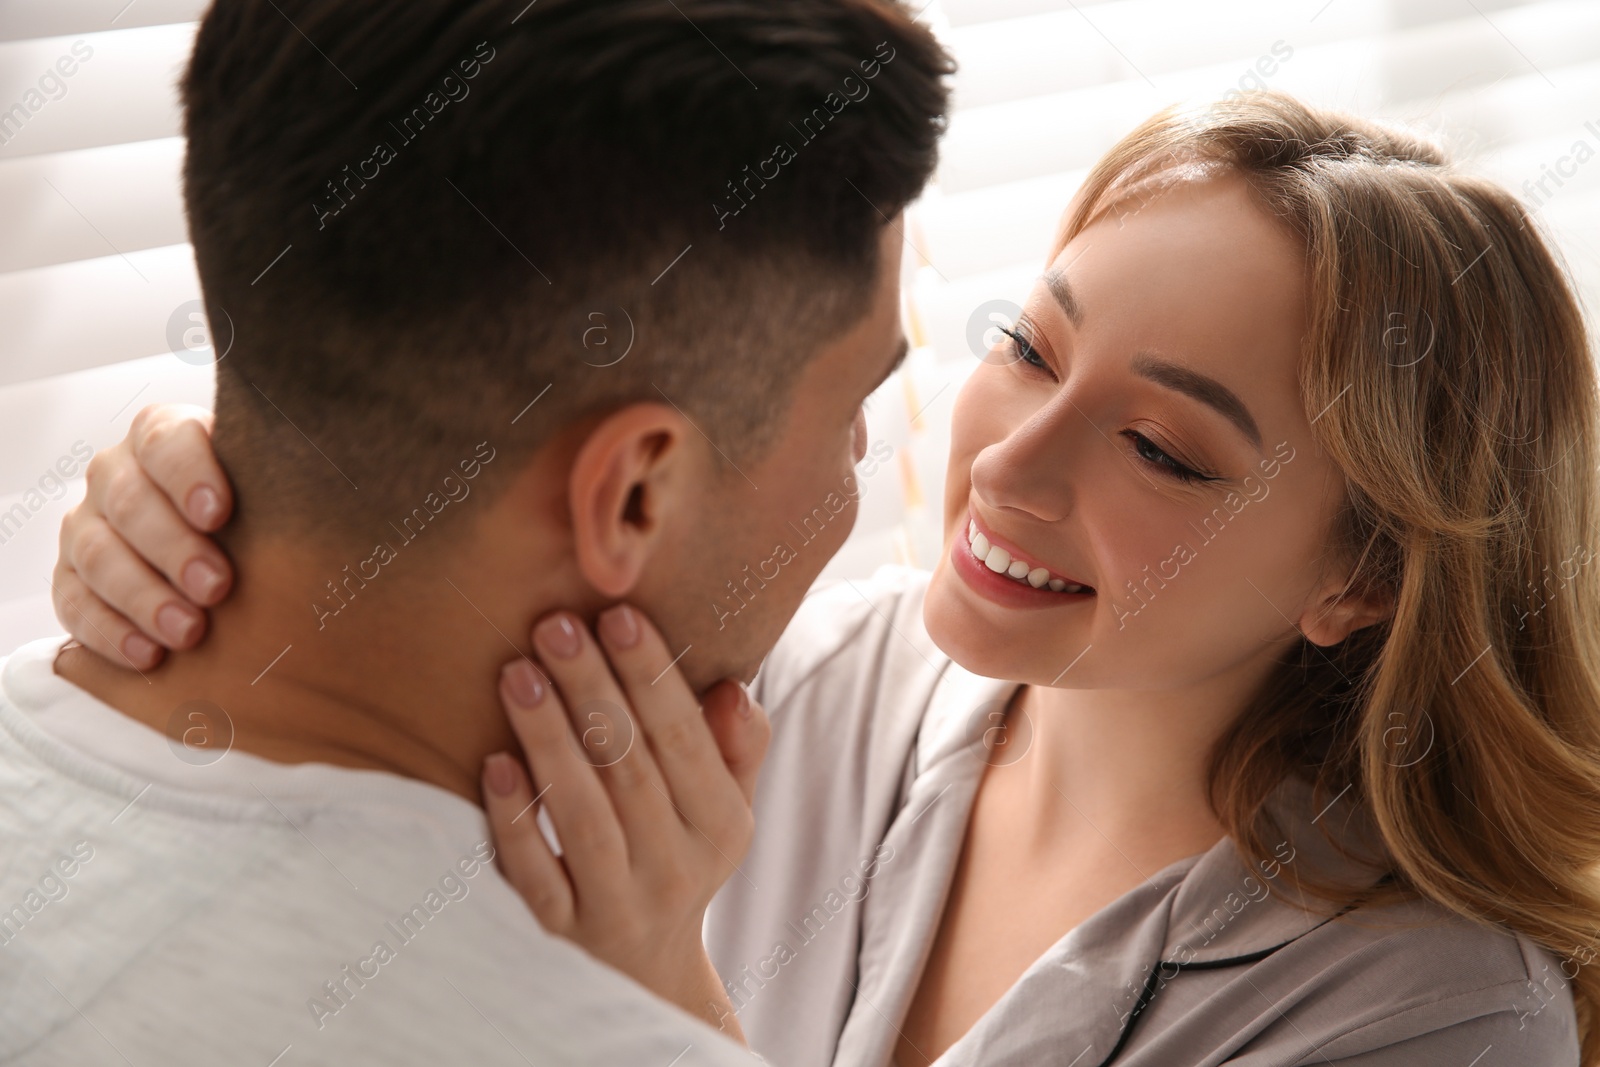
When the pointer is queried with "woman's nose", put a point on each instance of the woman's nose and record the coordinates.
(1031, 469)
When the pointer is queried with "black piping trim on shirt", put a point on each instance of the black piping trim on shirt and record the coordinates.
(1149, 992)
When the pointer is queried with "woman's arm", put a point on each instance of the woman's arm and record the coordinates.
(135, 571)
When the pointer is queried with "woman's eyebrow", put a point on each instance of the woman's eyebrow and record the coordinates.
(1164, 372)
(1198, 386)
(1055, 280)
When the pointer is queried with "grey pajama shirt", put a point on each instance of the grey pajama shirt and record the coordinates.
(878, 748)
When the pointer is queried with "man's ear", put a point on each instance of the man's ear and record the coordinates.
(1341, 611)
(632, 470)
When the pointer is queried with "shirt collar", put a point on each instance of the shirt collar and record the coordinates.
(1226, 907)
(1223, 906)
(965, 717)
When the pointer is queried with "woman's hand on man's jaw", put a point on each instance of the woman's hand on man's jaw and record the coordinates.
(648, 794)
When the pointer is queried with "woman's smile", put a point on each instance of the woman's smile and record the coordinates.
(1004, 573)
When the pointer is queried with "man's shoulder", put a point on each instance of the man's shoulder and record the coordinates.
(26, 669)
(352, 934)
(220, 912)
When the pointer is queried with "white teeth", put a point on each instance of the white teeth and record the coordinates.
(1000, 561)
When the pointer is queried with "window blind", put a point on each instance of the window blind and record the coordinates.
(94, 258)
(97, 280)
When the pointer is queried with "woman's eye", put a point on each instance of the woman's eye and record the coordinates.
(1025, 351)
(1147, 450)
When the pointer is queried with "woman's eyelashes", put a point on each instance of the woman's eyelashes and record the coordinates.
(1023, 348)
(1150, 453)
(1146, 450)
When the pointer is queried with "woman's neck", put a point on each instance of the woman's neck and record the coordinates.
(1122, 770)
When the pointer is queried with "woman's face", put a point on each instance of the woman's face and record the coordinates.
(1144, 437)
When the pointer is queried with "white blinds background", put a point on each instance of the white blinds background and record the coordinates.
(94, 262)
(94, 258)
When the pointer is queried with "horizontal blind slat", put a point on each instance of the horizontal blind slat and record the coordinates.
(87, 203)
(59, 18)
(92, 312)
(122, 87)
(1056, 132)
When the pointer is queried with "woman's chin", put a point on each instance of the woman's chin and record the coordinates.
(962, 632)
(994, 640)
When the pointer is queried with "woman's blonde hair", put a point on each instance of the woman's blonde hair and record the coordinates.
(1447, 365)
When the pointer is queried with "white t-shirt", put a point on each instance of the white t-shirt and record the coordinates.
(157, 909)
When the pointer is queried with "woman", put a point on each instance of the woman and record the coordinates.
(1273, 510)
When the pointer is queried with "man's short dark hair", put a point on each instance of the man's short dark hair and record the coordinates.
(413, 220)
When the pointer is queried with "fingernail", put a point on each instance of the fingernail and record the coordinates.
(138, 649)
(526, 687)
(201, 579)
(205, 506)
(559, 636)
(620, 626)
(175, 624)
(744, 701)
(500, 774)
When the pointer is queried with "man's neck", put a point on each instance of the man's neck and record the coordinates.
(402, 679)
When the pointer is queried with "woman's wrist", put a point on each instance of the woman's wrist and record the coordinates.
(705, 996)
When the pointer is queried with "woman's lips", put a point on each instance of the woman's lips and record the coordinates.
(1001, 586)
(1006, 562)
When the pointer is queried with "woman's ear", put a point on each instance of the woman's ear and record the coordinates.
(1343, 610)
(629, 473)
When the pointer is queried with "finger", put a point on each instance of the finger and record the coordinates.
(142, 515)
(608, 734)
(742, 732)
(520, 848)
(593, 845)
(96, 626)
(127, 584)
(172, 442)
(701, 787)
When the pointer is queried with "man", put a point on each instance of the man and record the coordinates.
(521, 309)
